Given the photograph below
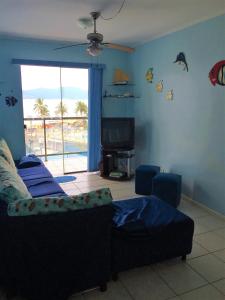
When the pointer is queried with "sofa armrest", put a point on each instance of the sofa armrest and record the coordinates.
(64, 251)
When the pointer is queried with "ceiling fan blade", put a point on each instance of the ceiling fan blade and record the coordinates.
(68, 46)
(119, 47)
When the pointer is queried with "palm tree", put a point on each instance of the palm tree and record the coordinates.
(61, 109)
(41, 108)
(81, 108)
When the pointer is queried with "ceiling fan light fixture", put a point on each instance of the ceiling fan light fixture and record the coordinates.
(94, 50)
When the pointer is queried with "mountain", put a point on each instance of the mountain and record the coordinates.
(54, 93)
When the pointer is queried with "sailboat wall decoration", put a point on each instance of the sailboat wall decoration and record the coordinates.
(120, 77)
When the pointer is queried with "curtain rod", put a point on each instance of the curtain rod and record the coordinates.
(50, 63)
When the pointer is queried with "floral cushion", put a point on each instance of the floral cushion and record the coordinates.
(6, 153)
(46, 205)
(11, 185)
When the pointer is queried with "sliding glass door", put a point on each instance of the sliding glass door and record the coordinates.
(74, 125)
(55, 104)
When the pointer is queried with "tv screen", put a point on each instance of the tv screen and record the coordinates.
(117, 133)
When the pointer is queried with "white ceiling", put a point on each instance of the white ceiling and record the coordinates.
(139, 20)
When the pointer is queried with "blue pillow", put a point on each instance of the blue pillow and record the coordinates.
(29, 161)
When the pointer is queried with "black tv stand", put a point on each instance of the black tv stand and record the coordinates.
(116, 164)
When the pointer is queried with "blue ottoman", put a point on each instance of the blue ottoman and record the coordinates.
(143, 179)
(147, 230)
(167, 187)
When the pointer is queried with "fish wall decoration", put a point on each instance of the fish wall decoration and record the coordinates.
(149, 75)
(217, 73)
(159, 86)
(10, 100)
(169, 95)
(181, 60)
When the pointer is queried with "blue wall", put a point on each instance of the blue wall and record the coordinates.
(186, 135)
(11, 118)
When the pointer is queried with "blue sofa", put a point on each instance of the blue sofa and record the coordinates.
(52, 256)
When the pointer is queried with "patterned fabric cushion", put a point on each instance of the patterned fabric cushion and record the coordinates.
(45, 205)
(11, 185)
(6, 153)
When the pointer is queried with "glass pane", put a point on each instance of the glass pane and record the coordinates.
(74, 112)
(34, 137)
(42, 116)
(54, 137)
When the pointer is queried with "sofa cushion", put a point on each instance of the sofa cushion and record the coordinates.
(6, 153)
(45, 205)
(34, 173)
(11, 185)
(29, 161)
(43, 187)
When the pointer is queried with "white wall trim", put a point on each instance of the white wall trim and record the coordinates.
(211, 211)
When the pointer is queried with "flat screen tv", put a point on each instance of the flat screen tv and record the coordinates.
(117, 133)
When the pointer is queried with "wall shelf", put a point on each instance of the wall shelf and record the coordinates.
(122, 84)
(120, 97)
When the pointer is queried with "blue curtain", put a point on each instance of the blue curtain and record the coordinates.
(94, 117)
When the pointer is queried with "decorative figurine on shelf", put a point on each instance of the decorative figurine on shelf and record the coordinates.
(181, 60)
(120, 77)
(10, 100)
(149, 75)
(217, 73)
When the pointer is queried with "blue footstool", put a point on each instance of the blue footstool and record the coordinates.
(147, 230)
(143, 179)
(167, 186)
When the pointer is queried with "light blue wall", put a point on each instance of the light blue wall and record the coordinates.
(11, 118)
(187, 135)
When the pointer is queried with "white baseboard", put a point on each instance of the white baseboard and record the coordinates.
(211, 211)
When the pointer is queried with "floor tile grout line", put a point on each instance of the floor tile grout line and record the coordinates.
(200, 273)
(207, 282)
(209, 251)
(198, 288)
(217, 288)
(166, 283)
(217, 257)
(127, 290)
(201, 246)
(211, 230)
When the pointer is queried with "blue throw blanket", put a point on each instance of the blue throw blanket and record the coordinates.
(144, 214)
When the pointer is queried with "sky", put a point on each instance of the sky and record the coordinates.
(35, 77)
(49, 77)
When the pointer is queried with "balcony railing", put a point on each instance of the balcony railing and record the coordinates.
(56, 136)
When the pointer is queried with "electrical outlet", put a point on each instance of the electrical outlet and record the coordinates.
(164, 170)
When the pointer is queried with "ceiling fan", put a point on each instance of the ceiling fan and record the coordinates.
(95, 41)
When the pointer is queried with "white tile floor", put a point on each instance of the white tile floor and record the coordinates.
(71, 164)
(201, 277)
